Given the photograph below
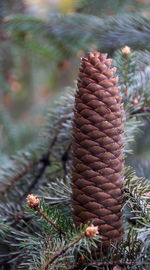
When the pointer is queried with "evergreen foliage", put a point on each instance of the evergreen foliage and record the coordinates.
(107, 34)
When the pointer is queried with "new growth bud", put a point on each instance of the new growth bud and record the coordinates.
(91, 231)
(126, 50)
(33, 201)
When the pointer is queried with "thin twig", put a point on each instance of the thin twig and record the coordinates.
(45, 161)
(49, 220)
(62, 251)
(38, 176)
(19, 175)
(142, 110)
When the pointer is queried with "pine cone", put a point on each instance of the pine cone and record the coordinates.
(97, 148)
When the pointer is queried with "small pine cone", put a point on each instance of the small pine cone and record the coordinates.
(97, 148)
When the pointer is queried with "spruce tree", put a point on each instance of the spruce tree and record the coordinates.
(73, 189)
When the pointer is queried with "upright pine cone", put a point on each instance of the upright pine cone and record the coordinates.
(97, 146)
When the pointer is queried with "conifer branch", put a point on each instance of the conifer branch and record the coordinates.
(33, 202)
(45, 160)
(61, 252)
(137, 191)
(142, 110)
(50, 221)
(19, 175)
(90, 232)
(111, 33)
(97, 263)
(27, 167)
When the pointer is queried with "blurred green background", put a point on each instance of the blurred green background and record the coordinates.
(39, 57)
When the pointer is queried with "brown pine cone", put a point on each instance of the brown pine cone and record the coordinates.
(97, 146)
